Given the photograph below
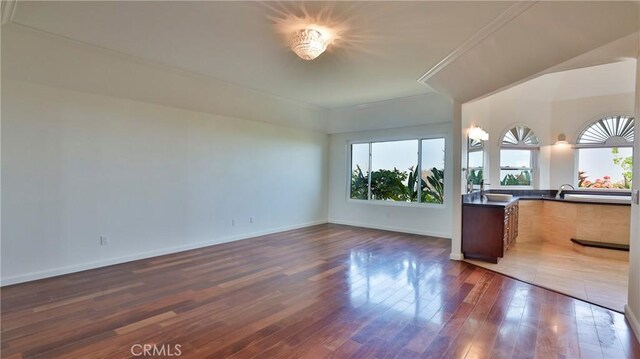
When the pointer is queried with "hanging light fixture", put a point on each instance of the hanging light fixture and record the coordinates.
(308, 43)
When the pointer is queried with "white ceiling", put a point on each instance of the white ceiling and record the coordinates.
(548, 33)
(594, 81)
(385, 48)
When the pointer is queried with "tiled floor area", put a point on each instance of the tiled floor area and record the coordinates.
(597, 280)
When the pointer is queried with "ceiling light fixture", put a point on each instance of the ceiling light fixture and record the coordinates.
(308, 43)
(477, 133)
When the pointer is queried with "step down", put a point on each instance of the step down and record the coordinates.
(614, 246)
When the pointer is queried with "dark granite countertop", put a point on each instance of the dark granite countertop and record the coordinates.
(473, 199)
(484, 203)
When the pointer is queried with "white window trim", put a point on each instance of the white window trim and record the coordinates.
(535, 168)
(431, 136)
(577, 146)
(468, 169)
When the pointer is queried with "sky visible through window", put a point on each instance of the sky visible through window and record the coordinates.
(399, 154)
(598, 162)
(515, 158)
(396, 154)
(476, 159)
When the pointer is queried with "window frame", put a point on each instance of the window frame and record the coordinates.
(370, 142)
(476, 149)
(578, 146)
(534, 155)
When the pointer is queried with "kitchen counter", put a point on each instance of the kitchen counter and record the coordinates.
(473, 199)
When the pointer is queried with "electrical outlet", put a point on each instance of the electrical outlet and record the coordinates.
(233, 223)
(250, 219)
(635, 197)
(104, 241)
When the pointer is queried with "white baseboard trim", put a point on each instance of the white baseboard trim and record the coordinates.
(633, 320)
(456, 256)
(154, 253)
(391, 228)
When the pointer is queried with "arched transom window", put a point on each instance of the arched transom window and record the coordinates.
(518, 155)
(613, 130)
(605, 153)
(520, 136)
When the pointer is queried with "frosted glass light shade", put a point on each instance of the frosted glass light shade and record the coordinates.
(476, 133)
(308, 43)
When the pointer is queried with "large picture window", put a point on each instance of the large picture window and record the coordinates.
(398, 171)
(605, 154)
(518, 155)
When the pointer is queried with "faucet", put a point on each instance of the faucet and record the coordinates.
(562, 188)
(482, 188)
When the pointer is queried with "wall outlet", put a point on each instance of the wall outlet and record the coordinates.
(233, 223)
(104, 241)
(250, 219)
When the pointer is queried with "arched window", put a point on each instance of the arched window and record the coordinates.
(518, 156)
(605, 153)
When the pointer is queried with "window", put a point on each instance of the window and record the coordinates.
(398, 171)
(518, 154)
(475, 161)
(605, 153)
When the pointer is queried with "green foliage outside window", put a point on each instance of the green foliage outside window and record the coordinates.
(390, 185)
(359, 184)
(627, 167)
(475, 177)
(522, 179)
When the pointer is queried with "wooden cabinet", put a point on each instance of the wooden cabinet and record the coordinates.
(488, 231)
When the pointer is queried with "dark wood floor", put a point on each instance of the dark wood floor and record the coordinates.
(324, 291)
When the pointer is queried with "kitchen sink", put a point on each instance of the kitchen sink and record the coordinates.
(498, 197)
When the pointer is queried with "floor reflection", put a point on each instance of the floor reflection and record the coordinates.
(403, 283)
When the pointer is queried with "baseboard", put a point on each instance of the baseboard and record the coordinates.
(633, 320)
(154, 253)
(456, 256)
(391, 228)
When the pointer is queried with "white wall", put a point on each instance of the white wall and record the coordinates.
(412, 218)
(401, 112)
(37, 57)
(153, 179)
(495, 115)
(571, 117)
(632, 309)
(536, 104)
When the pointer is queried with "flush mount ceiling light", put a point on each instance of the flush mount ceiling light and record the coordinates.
(308, 43)
(477, 133)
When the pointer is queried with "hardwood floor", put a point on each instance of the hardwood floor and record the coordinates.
(324, 291)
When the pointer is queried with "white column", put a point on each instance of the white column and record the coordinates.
(456, 231)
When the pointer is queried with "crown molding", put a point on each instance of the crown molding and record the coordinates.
(8, 9)
(496, 24)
